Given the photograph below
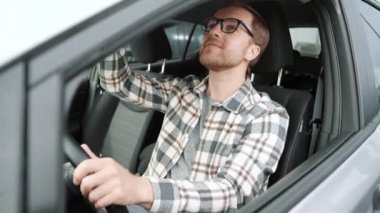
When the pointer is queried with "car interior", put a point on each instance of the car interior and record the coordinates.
(290, 71)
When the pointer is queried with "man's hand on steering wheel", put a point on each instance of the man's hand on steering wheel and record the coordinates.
(104, 182)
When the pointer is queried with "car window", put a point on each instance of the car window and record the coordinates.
(178, 35)
(370, 19)
(306, 41)
(195, 41)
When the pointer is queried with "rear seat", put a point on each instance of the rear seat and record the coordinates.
(303, 74)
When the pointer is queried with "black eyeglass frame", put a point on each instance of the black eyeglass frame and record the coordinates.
(221, 21)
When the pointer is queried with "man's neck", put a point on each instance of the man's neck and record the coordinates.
(222, 84)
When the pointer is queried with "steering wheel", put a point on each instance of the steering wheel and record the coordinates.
(76, 155)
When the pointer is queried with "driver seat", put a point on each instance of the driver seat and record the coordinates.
(298, 103)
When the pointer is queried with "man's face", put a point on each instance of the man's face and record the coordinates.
(221, 51)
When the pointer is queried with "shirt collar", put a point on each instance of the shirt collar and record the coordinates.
(235, 101)
(201, 87)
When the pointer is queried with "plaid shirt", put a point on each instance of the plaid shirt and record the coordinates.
(240, 145)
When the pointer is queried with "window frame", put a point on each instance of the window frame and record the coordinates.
(45, 70)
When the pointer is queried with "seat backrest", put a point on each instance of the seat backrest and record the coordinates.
(279, 52)
(298, 103)
(299, 106)
(127, 134)
(119, 129)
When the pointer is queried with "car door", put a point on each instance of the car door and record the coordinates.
(36, 89)
(343, 176)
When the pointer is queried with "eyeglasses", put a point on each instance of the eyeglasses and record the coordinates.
(228, 25)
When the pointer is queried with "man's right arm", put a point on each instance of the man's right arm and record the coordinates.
(117, 78)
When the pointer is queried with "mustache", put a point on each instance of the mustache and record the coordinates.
(212, 42)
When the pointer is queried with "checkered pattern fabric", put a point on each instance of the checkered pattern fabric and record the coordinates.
(240, 145)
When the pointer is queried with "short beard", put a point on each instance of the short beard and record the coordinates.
(215, 63)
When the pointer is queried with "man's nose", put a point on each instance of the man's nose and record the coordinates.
(216, 30)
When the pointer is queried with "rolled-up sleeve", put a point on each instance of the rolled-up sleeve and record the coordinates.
(117, 78)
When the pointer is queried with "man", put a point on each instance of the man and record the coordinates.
(220, 139)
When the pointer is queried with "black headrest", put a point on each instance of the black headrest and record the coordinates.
(279, 52)
(296, 54)
(151, 46)
(307, 66)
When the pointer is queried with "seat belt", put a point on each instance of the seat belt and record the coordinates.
(316, 120)
(94, 89)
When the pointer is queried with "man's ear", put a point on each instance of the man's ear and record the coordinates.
(252, 52)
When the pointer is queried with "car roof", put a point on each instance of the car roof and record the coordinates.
(25, 24)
